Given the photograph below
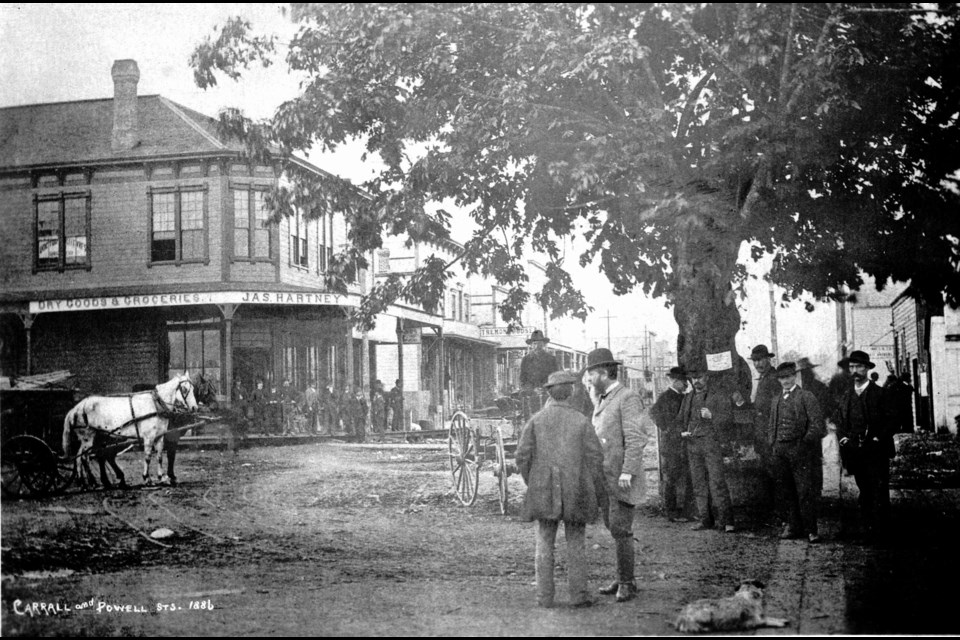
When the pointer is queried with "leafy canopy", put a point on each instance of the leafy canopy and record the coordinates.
(660, 133)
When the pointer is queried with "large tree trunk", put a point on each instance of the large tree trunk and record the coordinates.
(705, 306)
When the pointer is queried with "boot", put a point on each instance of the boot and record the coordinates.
(626, 591)
(610, 589)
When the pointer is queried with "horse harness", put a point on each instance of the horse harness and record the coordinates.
(164, 410)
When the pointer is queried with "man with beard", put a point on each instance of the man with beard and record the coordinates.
(673, 453)
(624, 430)
(704, 414)
(865, 431)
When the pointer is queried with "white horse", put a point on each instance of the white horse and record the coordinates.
(141, 416)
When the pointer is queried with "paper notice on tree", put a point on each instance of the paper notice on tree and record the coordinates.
(719, 361)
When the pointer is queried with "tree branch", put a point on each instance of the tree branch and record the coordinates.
(817, 52)
(687, 116)
(709, 48)
(787, 55)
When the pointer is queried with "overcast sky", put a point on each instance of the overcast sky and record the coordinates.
(63, 52)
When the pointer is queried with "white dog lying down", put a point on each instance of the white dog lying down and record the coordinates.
(741, 611)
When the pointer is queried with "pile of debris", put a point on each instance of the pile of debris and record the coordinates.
(52, 380)
(925, 460)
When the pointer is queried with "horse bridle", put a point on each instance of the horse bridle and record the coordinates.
(180, 399)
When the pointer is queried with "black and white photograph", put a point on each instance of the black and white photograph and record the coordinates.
(479, 319)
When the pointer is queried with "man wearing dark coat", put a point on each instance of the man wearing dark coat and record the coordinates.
(561, 463)
(537, 364)
(378, 408)
(705, 413)
(624, 429)
(767, 390)
(395, 405)
(675, 470)
(865, 430)
(796, 428)
(827, 407)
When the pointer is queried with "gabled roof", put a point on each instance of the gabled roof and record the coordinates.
(80, 132)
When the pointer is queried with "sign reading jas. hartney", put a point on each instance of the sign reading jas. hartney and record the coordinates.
(181, 299)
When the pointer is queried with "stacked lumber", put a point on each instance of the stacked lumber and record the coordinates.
(44, 380)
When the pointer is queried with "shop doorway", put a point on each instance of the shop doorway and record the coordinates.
(251, 364)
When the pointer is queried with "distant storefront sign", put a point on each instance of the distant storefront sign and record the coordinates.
(181, 299)
(492, 332)
(411, 336)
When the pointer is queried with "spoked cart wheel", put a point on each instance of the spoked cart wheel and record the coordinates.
(29, 467)
(464, 458)
(500, 470)
(66, 471)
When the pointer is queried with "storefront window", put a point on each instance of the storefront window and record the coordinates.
(195, 348)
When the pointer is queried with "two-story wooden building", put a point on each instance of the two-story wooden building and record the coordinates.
(135, 244)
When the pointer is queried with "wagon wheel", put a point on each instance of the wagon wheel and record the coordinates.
(28, 466)
(66, 472)
(464, 458)
(501, 472)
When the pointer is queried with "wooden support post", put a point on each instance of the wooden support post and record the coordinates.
(403, 424)
(27, 319)
(228, 311)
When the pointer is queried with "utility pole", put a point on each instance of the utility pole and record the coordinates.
(608, 316)
(773, 321)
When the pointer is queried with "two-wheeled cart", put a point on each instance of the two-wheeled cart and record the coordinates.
(488, 438)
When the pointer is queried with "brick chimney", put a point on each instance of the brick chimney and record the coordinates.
(125, 74)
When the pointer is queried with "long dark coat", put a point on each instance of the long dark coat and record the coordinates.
(560, 459)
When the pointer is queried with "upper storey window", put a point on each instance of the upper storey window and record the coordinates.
(178, 225)
(62, 231)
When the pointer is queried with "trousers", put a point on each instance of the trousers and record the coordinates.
(575, 534)
(873, 481)
(796, 495)
(618, 518)
(677, 496)
(706, 469)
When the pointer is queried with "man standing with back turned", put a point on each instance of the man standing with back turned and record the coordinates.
(623, 429)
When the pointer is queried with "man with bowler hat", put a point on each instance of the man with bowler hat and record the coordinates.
(796, 427)
(624, 430)
(675, 470)
(537, 364)
(767, 390)
(865, 431)
(560, 460)
(705, 413)
(535, 367)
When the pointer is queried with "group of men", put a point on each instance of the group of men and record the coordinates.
(790, 410)
(325, 410)
(577, 467)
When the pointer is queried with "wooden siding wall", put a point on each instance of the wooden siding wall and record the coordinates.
(107, 352)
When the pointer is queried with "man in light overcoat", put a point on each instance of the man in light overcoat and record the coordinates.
(624, 429)
(560, 460)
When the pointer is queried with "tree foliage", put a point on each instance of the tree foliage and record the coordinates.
(665, 134)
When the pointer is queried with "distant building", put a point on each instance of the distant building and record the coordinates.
(136, 244)
(864, 324)
(927, 350)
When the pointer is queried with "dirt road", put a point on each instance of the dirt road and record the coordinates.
(338, 540)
